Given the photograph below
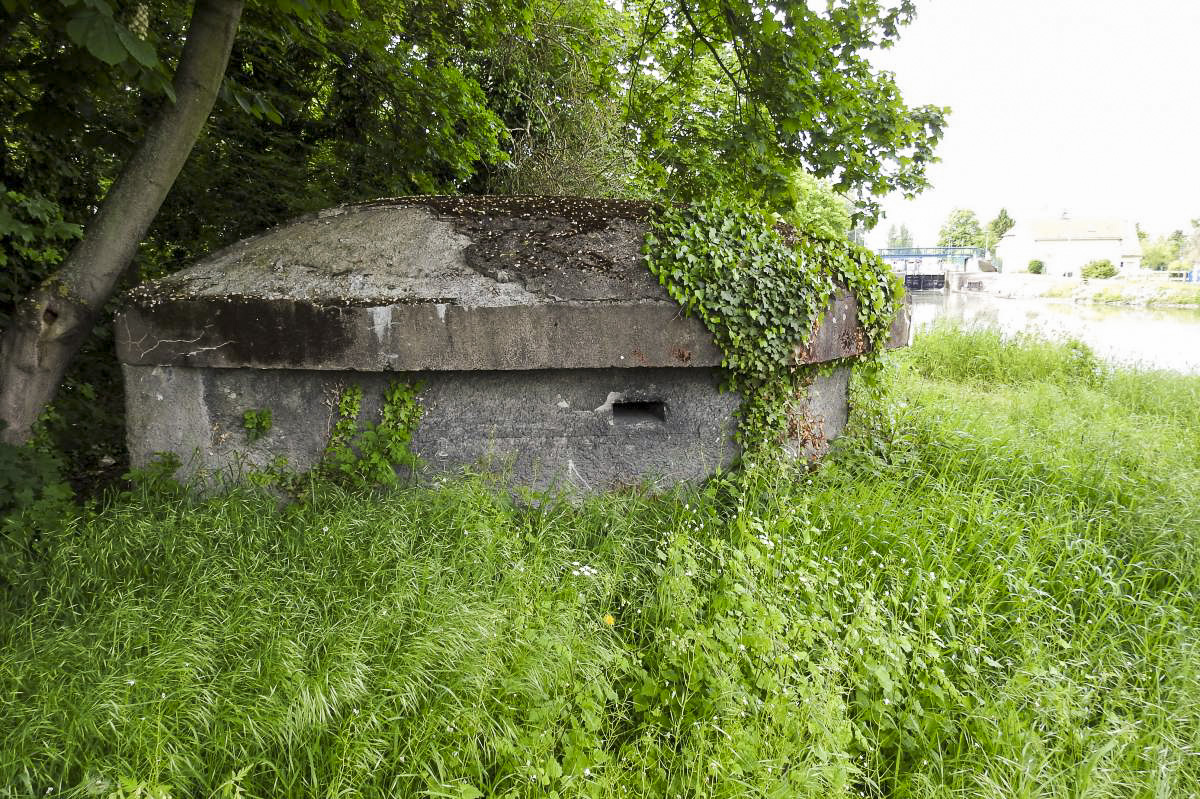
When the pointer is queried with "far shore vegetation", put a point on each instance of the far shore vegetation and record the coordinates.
(1144, 293)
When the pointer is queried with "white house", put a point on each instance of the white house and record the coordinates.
(1066, 243)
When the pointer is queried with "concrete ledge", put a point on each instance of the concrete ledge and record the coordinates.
(437, 284)
(240, 332)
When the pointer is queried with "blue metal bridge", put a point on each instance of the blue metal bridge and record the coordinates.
(919, 273)
(893, 255)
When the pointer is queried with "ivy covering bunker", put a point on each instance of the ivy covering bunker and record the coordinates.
(760, 286)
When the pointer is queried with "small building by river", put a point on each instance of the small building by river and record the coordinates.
(1066, 243)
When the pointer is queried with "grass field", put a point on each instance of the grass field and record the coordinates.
(991, 590)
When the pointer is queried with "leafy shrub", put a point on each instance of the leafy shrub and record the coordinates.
(257, 423)
(1100, 269)
(27, 476)
(34, 237)
(1037, 266)
(34, 498)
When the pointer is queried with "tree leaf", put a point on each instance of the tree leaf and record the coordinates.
(79, 25)
(142, 51)
(103, 42)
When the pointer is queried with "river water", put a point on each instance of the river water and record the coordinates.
(1153, 338)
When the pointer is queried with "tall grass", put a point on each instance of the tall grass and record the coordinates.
(990, 590)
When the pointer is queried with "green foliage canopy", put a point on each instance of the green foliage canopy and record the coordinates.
(961, 229)
(997, 228)
(812, 206)
(899, 237)
(735, 96)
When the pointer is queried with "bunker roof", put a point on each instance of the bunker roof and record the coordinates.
(470, 251)
(432, 282)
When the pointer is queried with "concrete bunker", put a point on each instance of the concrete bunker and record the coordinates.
(542, 344)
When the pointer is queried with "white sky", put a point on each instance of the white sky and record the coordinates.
(1088, 106)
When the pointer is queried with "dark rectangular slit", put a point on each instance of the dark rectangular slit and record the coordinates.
(634, 411)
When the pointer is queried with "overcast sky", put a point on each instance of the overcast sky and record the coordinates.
(1088, 106)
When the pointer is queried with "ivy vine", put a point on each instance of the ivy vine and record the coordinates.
(761, 286)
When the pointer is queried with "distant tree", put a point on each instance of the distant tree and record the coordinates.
(961, 229)
(1191, 251)
(1156, 253)
(997, 228)
(1177, 242)
(1161, 252)
(899, 237)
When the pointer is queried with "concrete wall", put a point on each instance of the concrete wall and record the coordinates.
(582, 428)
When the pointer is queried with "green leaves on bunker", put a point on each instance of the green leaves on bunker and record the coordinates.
(761, 286)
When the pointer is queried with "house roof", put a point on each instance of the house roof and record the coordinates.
(1087, 229)
(1084, 229)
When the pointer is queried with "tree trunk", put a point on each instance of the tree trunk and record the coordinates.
(55, 319)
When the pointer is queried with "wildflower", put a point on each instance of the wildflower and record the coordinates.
(609, 620)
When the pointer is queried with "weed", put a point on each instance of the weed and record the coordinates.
(368, 455)
(257, 423)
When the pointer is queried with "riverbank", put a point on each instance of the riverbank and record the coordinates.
(1159, 338)
(991, 589)
(1148, 290)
